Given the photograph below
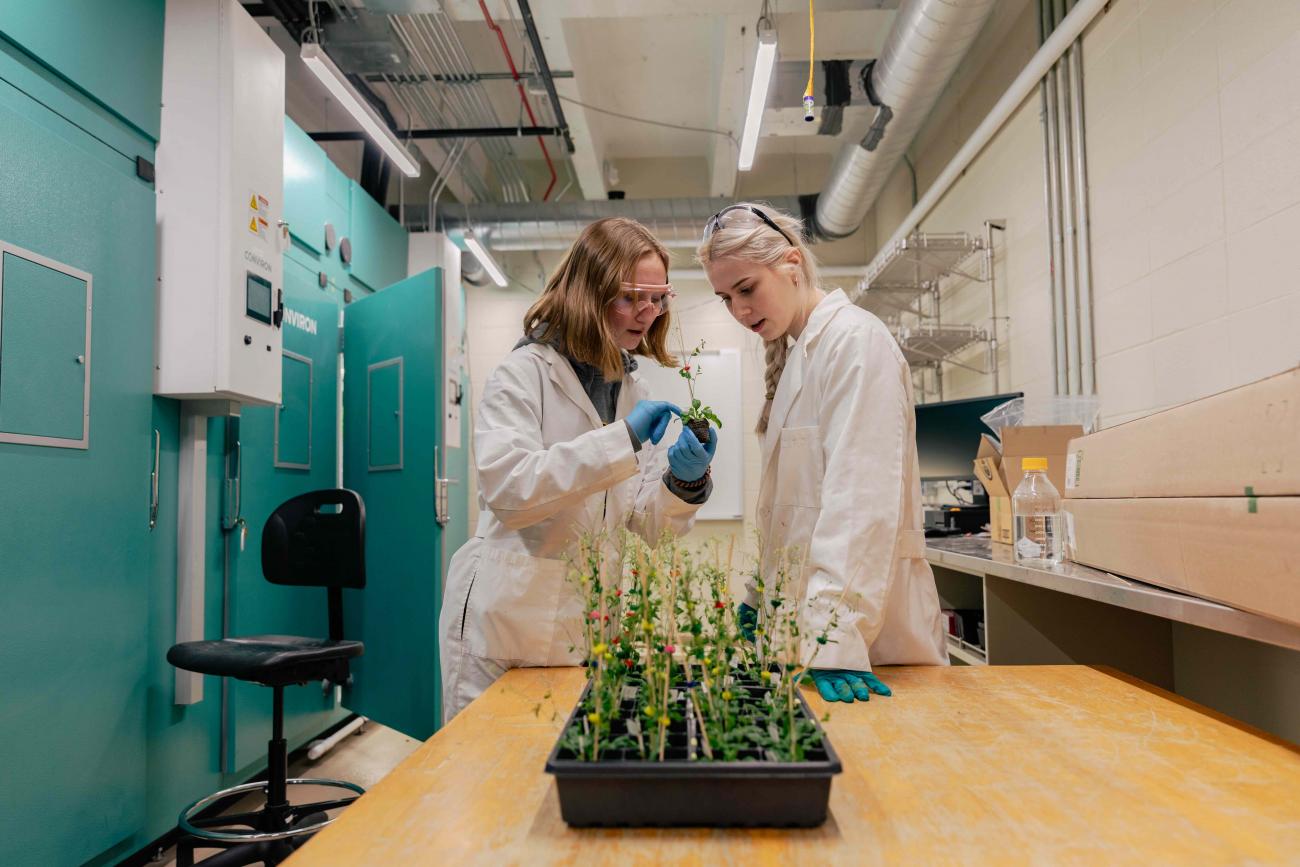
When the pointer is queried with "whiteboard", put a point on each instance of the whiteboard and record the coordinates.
(719, 387)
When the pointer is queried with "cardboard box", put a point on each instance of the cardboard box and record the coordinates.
(1241, 551)
(988, 469)
(1039, 441)
(1243, 442)
(999, 470)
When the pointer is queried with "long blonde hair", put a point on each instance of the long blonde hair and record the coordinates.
(744, 235)
(571, 310)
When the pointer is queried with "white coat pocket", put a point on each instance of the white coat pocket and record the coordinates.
(512, 606)
(799, 468)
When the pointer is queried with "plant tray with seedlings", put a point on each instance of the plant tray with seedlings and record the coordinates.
(752, 785)
(686, 721)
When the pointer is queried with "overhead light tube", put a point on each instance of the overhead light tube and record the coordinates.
(763, 64)
(342, 90)
(485, 259)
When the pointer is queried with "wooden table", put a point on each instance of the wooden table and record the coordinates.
(1045, 764)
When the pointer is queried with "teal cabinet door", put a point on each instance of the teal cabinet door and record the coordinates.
(392, 408)
(74, 519)
(285, 450)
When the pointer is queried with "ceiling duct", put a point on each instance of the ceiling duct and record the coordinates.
(554, 226)
(927, 42)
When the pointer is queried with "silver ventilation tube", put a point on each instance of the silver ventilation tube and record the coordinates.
(929, 38)
(555, 225)
(927, 42)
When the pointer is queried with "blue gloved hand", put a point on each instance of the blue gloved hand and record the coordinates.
(841, 684)
(688, 458)
(747, 617)
(649, 419)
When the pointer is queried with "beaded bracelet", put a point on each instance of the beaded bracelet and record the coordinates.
(695, 485)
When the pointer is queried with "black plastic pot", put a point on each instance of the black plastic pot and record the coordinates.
(700, 427)
(624, 790)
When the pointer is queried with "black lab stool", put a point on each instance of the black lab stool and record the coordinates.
(313, 540)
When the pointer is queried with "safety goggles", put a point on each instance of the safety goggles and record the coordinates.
(716, 222)
(635, 297)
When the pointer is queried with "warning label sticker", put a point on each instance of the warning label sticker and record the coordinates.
(259, 211)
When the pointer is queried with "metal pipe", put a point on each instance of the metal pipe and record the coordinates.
(989, 226)
(554, 225)
(467, 132)
(1087, 347)
(1070, 270)
(1025, 82)
(545, 69)
(1051, 186)
(480, 76)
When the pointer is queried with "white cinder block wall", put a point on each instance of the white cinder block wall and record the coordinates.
(1193, 134)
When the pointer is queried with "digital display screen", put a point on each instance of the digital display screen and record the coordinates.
(948, 436)
(258, 304)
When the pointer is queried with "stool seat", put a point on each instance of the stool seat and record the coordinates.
(268, 659)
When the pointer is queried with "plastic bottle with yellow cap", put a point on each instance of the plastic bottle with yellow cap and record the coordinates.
(1036, 504)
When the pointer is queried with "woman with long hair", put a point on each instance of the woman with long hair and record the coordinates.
(566, 441)
(840, 488)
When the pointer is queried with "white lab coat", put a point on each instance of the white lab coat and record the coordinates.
(841, 486)
(548, 469)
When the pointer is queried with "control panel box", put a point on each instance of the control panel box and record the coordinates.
(220, 182)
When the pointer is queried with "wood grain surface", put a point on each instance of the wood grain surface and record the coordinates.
(988, 764)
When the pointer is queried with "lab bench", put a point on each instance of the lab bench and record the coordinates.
(1237, 662)
(1032, 764)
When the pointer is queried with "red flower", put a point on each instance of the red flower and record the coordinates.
(617, 639)
(618, 592)
(668, 648)
(595, 615)
(719, 605)
(628, 663)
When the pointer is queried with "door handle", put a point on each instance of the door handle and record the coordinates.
(441, 496)
(153, 481)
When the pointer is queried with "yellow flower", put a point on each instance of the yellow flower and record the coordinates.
(598, 649)
(717, 671)
(726, 695)
(647, 626)
(649, 711)
(767, 675)
(663, 720)
(594, 716)
(609, 657)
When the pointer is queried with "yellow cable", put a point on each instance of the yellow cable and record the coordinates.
(808, 91)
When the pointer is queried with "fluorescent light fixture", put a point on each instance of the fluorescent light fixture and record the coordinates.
(763, 64)
(338, 85)
(485, 259)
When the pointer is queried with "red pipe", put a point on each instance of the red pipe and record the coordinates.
(523, 96)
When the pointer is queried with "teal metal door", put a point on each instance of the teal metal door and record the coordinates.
(392, 408)
(74, 515)
(284, 451)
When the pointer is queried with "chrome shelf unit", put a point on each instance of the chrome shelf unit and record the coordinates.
(902, 288)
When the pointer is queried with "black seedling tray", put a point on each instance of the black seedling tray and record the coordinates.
(624, 790)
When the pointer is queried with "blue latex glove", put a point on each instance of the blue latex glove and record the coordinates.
(840, 684)
(748, 619)
(688, 458)
(649, 419)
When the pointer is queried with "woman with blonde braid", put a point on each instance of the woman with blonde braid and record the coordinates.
(840, 480)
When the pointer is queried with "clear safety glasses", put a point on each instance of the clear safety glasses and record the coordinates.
(635, 297)
(717, 222)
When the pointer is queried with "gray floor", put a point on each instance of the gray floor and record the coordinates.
(362, 758)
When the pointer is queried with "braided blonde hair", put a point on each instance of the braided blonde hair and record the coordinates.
(744, 235)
